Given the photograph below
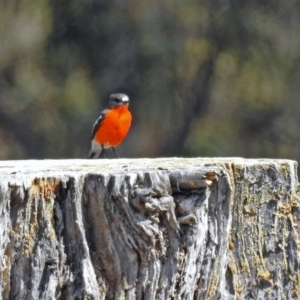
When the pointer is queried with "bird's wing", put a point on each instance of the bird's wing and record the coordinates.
(99, 121)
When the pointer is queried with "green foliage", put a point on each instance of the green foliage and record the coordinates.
(204, 78)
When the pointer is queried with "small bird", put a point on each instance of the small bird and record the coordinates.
(112, 126)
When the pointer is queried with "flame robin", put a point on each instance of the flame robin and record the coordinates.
(112, 126)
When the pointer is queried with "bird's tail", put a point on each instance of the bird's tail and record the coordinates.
(96, 154)
(91, 154)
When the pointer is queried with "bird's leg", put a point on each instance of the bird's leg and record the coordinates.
(115, 152)
(101, 154)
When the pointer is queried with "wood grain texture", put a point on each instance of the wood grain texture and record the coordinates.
(149, 229)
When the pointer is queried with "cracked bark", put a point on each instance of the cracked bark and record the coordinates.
(149, 229)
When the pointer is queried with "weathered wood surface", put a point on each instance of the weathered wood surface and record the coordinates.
(149, 229)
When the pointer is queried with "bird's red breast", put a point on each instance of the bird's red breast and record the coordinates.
(114, 127)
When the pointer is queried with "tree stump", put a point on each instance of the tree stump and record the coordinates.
(149, 229)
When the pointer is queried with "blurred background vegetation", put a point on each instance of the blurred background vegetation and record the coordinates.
(205, 78)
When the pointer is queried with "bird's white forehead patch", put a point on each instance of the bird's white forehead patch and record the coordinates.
(125, 98)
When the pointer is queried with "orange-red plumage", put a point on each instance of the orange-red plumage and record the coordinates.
(114, 127)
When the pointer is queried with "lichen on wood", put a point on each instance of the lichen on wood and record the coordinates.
(149, 229)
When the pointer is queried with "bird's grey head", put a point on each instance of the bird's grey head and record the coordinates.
(119, 99)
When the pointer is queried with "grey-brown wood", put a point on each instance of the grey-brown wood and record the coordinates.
(149, 229)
